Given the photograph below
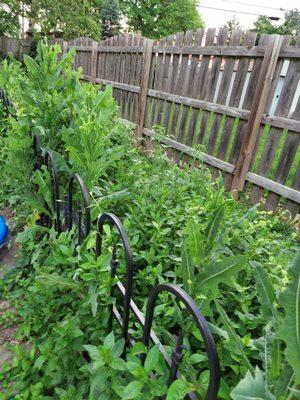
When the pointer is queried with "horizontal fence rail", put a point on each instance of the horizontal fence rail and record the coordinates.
(55, 219)
(236, 95)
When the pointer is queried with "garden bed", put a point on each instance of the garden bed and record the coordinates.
(236, 263)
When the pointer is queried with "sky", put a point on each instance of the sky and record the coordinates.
(215, 18)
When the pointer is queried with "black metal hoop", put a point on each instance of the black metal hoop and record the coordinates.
(115, 221)
(49, 156)
(37, 151)
(213, 360)
(86, 204)
(6, 101)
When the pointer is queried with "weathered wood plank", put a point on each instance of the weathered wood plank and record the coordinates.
(211, 80)
(184, 84)
(256, 113)
(157, 82)
(218, 50)
(234, 100)
(231, 51)
(195, 72)
(223, 90)
(266, 157)
(289, 149)
(143, 92)
(163, 81)
(176, 84)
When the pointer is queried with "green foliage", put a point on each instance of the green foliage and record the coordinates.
(263, 24)
(290, 25)
(9, 17)
(289, 326)
(69, 18)
(110, 18)
(156, 18)
(252, 388)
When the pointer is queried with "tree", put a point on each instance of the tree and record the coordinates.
(290, 25)
(159, 18)
(263, 24)
(110, 18)
(9, 17)
(72, 18)
(231, 25)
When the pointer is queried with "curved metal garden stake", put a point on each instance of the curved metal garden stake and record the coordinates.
(6, 101)
(49, 156)
(177, 355)
(37, 151)
(115, 221)
(213, 360)
(87, 211)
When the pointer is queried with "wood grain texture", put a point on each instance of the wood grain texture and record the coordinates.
(257, 110)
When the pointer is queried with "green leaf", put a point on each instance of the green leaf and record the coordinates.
(234, 342)
(212, 228)
(196, 241)
(93, 351)
(284, 381)
(40, 361)
(265, 291)
(138, 348)
(178, 390)
(187, 268)
(33, 68)
(109, 341)
(220, 272)
(118, 364)
(197, 358)
(132, 390)
(275, 365)
(289, 326)
(93, 299)
(57, 282)
(152, 359)
(252, 388)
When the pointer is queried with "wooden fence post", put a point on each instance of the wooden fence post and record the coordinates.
(140, 121)
(64, 46)
(256, 113)
(94, 63)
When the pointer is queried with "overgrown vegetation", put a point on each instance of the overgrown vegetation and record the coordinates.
(236, 263)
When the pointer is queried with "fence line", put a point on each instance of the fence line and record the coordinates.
(14, 46)
(235, 95)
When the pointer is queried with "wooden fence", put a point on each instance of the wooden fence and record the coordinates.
(14, 46)
(237, 97)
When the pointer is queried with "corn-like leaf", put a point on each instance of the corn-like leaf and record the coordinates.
(234, 342)
(220, 272)
(265, 291)
(289, 326)
(196, 242)
(252, 388)
(187, 268)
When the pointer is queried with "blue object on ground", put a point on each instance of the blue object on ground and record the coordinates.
(3, 230)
